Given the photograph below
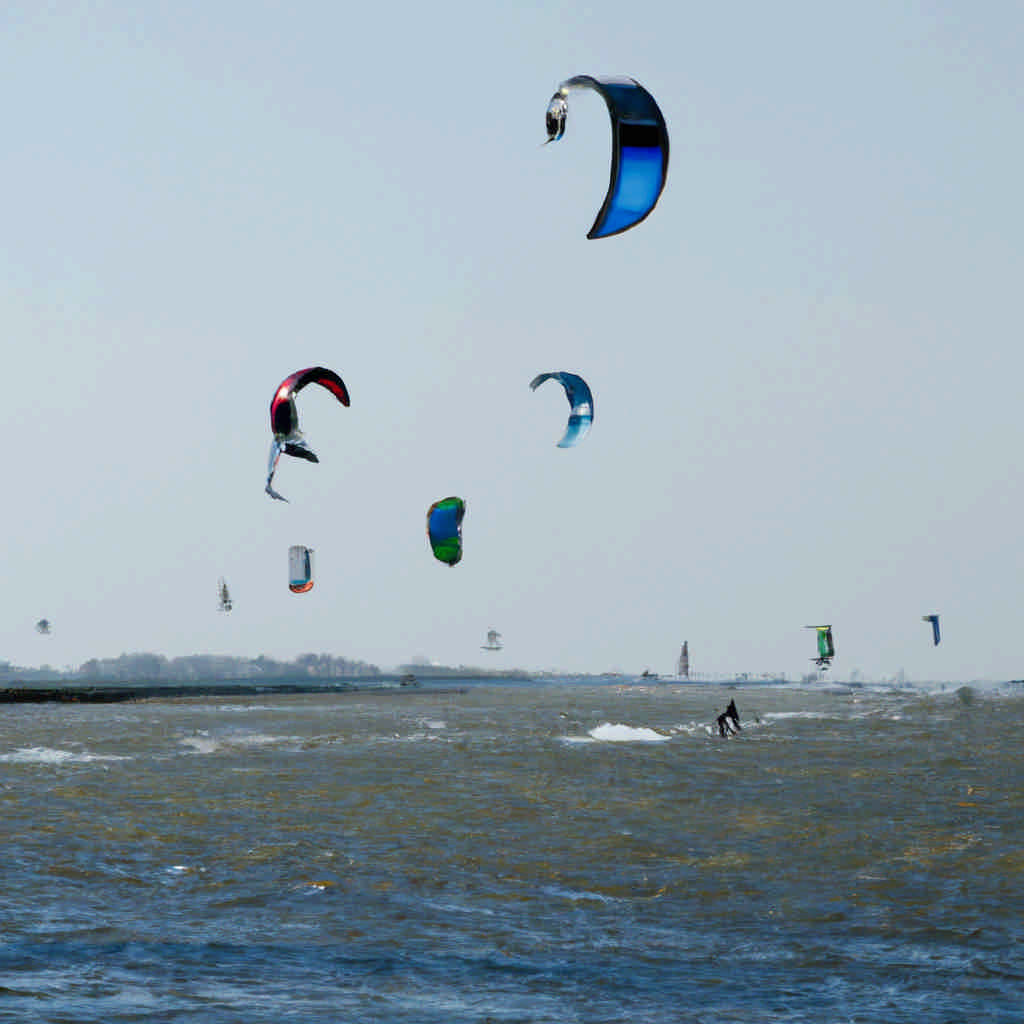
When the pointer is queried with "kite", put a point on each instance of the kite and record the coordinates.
(639, 149)
(581, 404)
(444, 529)
(826, 648)
(284, 417)
(300, 569)
(934, 620)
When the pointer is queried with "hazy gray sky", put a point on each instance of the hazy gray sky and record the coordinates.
(806, 363)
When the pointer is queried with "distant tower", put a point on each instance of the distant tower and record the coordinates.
(684, 661)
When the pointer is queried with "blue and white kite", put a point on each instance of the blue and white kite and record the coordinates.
(639, 148)
(581, 404)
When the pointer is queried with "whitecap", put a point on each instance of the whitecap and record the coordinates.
(774, 716)
(257, 739)
(694, 729)
(615, 732)
(49, 755)
(201, 744)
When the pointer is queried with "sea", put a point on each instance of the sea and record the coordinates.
(560, 851)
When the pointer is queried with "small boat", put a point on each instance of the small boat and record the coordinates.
(648, 674)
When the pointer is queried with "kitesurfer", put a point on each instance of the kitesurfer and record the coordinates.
(729, 720)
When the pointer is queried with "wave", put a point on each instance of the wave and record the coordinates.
(615, 732)
(203, 743)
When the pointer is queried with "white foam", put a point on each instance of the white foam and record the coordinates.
(49, 755)
(203, 743)
(694, 729)
(578, 895)
(614, 732)
(258, 739)
(418, 737)
(312, 888)
(774, 716)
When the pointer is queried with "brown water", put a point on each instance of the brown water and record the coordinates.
(516, 853)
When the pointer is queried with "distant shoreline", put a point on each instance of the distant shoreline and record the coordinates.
(114, 692)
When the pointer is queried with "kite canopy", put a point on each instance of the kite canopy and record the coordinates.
(581, 404)
(300, 569)
(934, 620)
(284, 417)
(444, 529)
(43, 626)
(639, 148)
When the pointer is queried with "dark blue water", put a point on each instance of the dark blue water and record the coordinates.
(549, 853)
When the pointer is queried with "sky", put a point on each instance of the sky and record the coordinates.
(806, 363)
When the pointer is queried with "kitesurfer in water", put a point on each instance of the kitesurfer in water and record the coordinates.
(729, 720)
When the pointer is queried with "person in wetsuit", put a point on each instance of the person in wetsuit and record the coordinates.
(729, 720)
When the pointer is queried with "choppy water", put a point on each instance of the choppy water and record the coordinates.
(545, 853)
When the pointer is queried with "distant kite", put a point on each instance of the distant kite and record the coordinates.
(826, 648)
(284, 417)
(444, 530)
(581, 404)
(300, 569)
(43, 626)
(639, 148)
(224, 596)
(934, 620)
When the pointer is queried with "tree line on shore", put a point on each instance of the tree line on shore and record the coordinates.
(194, 668)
